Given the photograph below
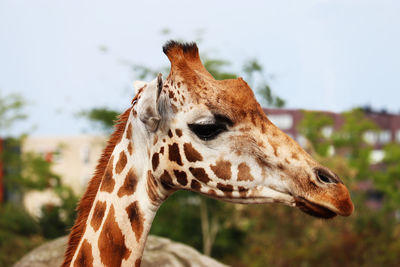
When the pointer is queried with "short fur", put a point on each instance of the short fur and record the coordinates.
(87, 200)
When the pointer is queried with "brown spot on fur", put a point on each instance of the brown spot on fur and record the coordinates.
(287, 161)
(112, 242)
(136, 218)
(170, 133)
(200, 174)
(155, 160)
(98, 215)
(212, 192)
(226, 188)
(195, 185)
(222, 169)
(152, 188)
(174, 154)
(166, 180)
(181, 177)
(171, 94)
(274, 147)
(263, 128)
(162, 150)
(191, 154)
(253, 119)
(121, 163)
(155, 140)
(85, 256)
(107, 184)
(280, 166)
(178, 132)
(174, 108)
(295, 156)
(263, 163)
(129, 132)
(138, 262)
(179, 84)
(95, 183)
(129, 186)
(130, 148)
(242, 191)
(244, 173)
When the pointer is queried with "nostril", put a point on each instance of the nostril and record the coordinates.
(325, 177)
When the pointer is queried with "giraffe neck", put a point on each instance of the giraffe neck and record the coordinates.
(123, 208)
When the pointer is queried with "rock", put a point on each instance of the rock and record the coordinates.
(159, 251)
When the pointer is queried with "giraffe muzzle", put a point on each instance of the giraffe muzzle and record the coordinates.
(313, 209)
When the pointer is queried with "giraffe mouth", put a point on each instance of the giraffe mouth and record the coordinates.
(313, 209)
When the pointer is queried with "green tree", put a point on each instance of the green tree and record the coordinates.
(11, 111)
(19, 232)
(254, 71)
(103, 117)
(388, 180)
(350, 141)
(312, 126)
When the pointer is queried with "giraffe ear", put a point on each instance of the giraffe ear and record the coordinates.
(147, 106)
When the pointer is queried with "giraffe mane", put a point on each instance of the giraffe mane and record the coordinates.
(87, 200)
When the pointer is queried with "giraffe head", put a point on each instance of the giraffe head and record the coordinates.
(213, 137)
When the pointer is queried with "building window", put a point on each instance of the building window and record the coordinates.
(376, 156)
(282, 121)
(327, 131)
(398, 136)
(384, 137)
(371, 137)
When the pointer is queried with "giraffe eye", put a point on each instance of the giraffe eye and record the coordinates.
(207, 131)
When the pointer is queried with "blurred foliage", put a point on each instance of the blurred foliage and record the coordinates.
(19, 233)
(312, 126)
(349, 141)
(185, 210)
(24, 172)
(388, 181)
(255, 72)
(103, 117)
(11, 111)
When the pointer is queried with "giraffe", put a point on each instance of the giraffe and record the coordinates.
(195, 133)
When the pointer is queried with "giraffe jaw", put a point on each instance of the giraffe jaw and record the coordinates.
(314, 209)
(264, 195)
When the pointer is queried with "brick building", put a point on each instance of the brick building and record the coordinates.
(288, 120)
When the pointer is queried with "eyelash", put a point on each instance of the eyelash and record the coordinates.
(207, 132)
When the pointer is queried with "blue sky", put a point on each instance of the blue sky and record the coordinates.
(324, 54)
